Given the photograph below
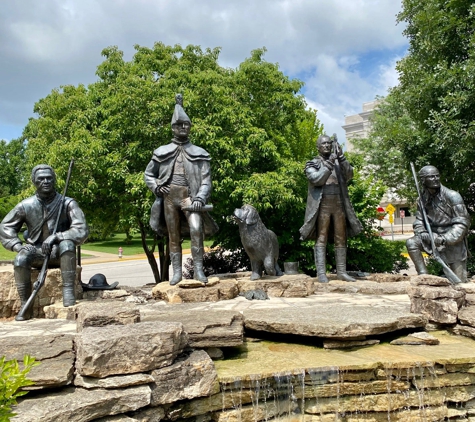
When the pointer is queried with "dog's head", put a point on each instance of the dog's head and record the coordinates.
(246, 214)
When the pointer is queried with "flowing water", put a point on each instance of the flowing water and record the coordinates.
(295, 382)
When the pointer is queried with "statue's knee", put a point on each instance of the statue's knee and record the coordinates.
(66, 246)
(412, 243)
(24, 258)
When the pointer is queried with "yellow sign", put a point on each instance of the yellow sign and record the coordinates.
(391, 218)
(390, 209)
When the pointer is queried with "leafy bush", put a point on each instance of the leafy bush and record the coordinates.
(12, 379)
(220, 261)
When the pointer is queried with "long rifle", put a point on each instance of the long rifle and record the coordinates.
(448, 272)
(38, 284)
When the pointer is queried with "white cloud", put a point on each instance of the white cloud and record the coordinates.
(46, 44)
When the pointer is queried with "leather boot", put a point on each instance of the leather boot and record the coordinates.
(418, 259)
(68, 274)
(340, 257)
(197, 255)
(175, 258)
(23, 285)
(320, 263)
(69, 294)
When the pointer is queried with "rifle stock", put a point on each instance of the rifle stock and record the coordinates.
(40, 281)
(447, 271)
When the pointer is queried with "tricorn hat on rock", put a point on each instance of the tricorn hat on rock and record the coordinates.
(179, 114)
(99, 282)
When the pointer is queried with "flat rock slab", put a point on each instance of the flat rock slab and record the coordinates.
(81, 405)
(299, 285)
(224, 290)
(417, 339)
(205, 327)
(102, 313)
(367, 287)
(118, 381)
(189, 377)
(49, 342)
(128, 349)
(332, 319)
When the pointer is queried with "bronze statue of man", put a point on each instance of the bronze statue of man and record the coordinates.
(328, 202)
(39, 214)
(179, 175)
(449, 222)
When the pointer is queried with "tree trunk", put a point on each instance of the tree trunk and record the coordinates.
(164, 255)
(150, 256)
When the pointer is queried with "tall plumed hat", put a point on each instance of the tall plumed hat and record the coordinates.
(179, 114)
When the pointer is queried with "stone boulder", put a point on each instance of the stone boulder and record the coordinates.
(117, 381)
(189, 377)
(205, 327)
(224, 290)
(51, 292)
(368, 287)
(435, 297)
(102, 313)
(299, 285)
(334, 321)
(49, 342)
(128, 349)
(81, 405)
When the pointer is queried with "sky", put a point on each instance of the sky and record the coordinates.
(344, 50)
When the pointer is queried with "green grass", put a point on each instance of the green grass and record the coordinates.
(134, 247)
(110, 245)
(6, 255)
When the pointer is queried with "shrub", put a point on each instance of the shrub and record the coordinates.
(12, 379)
(220, 261)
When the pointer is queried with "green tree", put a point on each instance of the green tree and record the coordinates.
(12, 167)
(251, 120)
(429, 117)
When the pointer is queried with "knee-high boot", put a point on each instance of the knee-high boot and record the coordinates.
(418, 259)
(197, 255)
(340, 257)
(176, 259)
(68, 274)
(320, 263)
(23, 285)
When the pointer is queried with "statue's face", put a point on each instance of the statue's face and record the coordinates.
(181, 130)
(44, 181)
(432, 179)
(324, 146)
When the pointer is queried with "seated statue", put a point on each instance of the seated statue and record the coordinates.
(449, 221)
(39, 214)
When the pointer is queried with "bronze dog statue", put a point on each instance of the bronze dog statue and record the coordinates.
(259, 243)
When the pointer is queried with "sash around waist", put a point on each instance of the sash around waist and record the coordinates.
(331, 189)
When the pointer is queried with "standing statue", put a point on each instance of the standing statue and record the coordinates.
(179, 176)
(39, 213)
(328, 201)
(441, 227)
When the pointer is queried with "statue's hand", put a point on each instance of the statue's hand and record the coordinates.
(27, 247)
(332, 158)
(197, 205)
(47, 245)
(425, 237)
(439, 240)
(164, 189)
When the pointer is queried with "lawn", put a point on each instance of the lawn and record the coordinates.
(134, 247)
(110, 245)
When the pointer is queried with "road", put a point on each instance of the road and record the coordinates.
(136, 271)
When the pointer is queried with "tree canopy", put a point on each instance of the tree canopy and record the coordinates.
(429, 117)
(252, 120)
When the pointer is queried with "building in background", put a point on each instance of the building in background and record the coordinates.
(359, 126)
